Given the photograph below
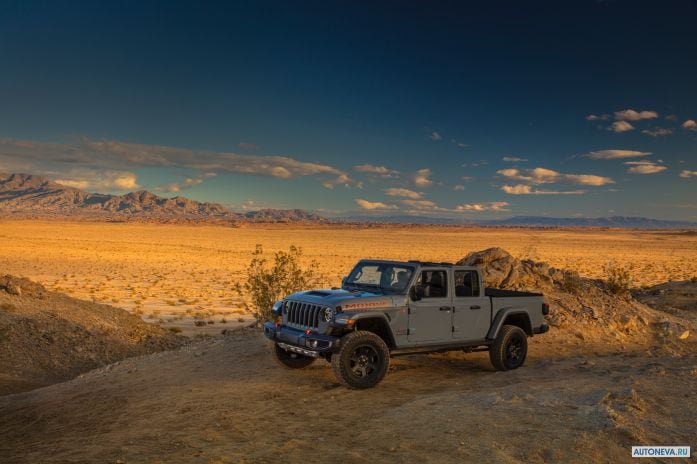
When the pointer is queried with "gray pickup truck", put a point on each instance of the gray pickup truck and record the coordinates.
(391, 308)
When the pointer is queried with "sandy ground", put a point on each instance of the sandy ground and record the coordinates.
(224, 400)
(174, 274)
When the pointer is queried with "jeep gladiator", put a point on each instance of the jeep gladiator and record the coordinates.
(391, 308)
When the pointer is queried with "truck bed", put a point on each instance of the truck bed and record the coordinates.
(500, 293)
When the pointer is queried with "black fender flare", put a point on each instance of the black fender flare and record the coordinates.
(501, 317)
(382, 320)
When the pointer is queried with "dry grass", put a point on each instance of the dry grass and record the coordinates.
(174, 270)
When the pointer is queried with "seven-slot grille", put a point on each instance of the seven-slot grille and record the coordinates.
(303, 315)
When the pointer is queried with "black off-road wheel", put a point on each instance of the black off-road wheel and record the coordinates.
(509, 349)
(362, 361)
(289, 359)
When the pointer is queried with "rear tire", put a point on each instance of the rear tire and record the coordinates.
(510, 348)
(362, 361)
(288, 359)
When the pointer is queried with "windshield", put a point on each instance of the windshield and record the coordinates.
(383, 277)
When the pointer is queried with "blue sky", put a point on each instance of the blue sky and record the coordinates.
(472, 109)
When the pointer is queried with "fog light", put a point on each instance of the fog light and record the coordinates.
(312, 343)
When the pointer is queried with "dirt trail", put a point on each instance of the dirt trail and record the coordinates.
(224, 400)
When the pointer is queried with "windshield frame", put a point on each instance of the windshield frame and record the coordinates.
(375, 288)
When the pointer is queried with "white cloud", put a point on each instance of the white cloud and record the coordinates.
(402, 192)
(62, 160)
(107, 180)
(489, 206)
(459, 188)
(435, 136)
(646, 168)
(422, 205)
(690, 124)
(380, 171)
(522, 189)
(549, 176)
(374, 205)
(687, 174)
(594, 117)
(342, 179)
(657, 131)
(621, 126)
(632, 115)
(179, 186)
(514, 159)
(616, 154)
(421, 177)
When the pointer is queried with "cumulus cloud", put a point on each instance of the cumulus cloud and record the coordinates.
(403, 192)
(435, 136)
(632, 115)
(175, 187)
(616, 154)
(595, 117)
(422, 205)
(549, 176)
(422, 177)
(522, 189)
(60, 159)
(459, 188)
(646, 168)
(489, 206)
(690, 124)
(514, 159)
(374, 205)
(621, 126)
(107, 180)
(687, 174)
(380, 171)
(342, 179)
(657, 131)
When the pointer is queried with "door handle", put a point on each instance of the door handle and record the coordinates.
(444, 308)
(475, 307)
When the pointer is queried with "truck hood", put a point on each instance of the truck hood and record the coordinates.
(339, 297)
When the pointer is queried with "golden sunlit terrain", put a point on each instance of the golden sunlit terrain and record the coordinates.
(178, 273)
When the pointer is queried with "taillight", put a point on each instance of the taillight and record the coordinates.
(545, 309)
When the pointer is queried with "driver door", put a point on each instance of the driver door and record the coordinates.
(430, 318)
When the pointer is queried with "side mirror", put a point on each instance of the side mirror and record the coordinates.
(416, 293)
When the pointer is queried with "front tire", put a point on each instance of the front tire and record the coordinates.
(289, 359)
(362, 361)
(510, 348)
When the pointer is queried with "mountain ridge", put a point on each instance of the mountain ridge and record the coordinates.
(28, 195)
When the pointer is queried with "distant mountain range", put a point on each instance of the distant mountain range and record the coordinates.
(615, 222)
(26, 195)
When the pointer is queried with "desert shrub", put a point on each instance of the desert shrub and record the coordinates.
(268, 282)
(618, 278)
(571, 283)
(175, 330)
(694, 280)
(199, 323)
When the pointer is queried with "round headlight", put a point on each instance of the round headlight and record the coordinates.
(328, 314)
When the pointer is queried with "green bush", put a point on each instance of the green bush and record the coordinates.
(619, 279)
(268, 282)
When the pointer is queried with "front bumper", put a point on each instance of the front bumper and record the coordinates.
(312, 344)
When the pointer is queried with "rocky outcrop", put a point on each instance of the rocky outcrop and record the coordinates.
(586, 307)
(47, 337)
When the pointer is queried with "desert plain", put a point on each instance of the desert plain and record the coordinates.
(174, 274)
